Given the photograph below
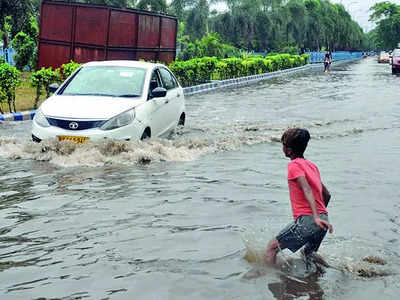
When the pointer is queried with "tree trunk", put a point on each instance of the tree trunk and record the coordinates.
(13, 102)
(37, 97)
(9, 101)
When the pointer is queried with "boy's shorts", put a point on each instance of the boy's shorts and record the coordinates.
(303, 231)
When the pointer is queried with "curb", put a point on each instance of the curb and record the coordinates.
(202, 88)
(206, 87)
(18, 116)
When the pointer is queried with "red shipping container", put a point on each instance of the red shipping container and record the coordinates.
(87, 32)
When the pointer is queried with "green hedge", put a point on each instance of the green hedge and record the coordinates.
(10, 78)
(201, 70)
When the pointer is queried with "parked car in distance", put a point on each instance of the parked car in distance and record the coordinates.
(383, 57)
(395, 61)
(123, 100)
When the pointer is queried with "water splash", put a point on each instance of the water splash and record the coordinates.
(187, 145)
(362, 267)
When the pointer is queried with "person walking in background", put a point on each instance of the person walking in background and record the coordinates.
(309, 199)
(327, 61)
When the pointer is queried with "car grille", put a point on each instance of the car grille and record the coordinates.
(82, 125)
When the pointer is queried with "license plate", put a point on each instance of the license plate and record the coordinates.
(76, 139)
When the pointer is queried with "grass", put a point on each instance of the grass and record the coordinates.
(24, 95)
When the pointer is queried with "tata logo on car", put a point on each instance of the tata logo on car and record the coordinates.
(73, 125)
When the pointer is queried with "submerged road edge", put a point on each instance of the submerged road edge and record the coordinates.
(203, 88)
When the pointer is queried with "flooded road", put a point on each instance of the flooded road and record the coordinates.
(173, 219)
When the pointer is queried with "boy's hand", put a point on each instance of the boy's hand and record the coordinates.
(323, 224)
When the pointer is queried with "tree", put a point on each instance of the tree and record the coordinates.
(19, 12)
(24, 47)
(387, 17)
(197, 19)
(153, 5)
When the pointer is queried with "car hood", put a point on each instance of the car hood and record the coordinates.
(87, 107)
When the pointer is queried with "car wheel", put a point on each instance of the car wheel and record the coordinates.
(146, 134)
(394, 71)
(181, 121)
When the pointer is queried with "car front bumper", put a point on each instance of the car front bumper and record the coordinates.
(396, 66)
(132, 131)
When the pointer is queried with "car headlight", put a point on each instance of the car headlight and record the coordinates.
(121, 120)
(40, 119)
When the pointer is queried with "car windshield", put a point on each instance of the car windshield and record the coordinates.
(107, 81)
(396, 53)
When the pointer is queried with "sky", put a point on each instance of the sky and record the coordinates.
(359, 10)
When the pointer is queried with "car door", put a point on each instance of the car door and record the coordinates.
(157, 106)
(174, 97)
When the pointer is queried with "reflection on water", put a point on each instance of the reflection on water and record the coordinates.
(173, 218)
(291, 288)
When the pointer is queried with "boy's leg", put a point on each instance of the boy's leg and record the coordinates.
(291, 237)
(312, 246)
(272, 249)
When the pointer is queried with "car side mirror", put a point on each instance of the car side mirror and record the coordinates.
(159, 92)
(53, 87)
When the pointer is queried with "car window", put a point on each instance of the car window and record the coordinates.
(107, 81)
(396, 53)
(154, 82)
(168, 80)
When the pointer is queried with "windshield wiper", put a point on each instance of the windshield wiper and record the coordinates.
(128, 95)
(88, 94)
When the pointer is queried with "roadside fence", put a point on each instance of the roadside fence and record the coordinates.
(318, 57)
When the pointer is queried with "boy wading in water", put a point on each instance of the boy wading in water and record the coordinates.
(308, 197)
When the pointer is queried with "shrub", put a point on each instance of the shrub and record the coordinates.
(9, 80)
(200, 70)
(209, 46)
(306, 58)
(220, 71)
(68, 69)
(205, 68)
(290, 50)
(41, 79)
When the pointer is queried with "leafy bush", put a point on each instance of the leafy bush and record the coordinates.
(9, 80)
(24, 46)
(184, 71)
(68, 69)
(41, 79)
(306, 58)
(233, 66)
(200, 70)
(205, 68)
(290, 50)
(209, 46)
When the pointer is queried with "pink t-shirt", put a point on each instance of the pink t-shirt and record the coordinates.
(302, 167)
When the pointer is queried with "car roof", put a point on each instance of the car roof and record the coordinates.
(123, 63)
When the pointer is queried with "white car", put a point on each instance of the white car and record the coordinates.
(123, 100)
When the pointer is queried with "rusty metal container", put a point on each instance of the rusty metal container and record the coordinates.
(87, 32)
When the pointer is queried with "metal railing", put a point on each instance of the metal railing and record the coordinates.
(318, 57)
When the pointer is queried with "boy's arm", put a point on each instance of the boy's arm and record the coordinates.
(302, 181)
(326, 196)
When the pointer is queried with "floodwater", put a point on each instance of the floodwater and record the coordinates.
(174, 218)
